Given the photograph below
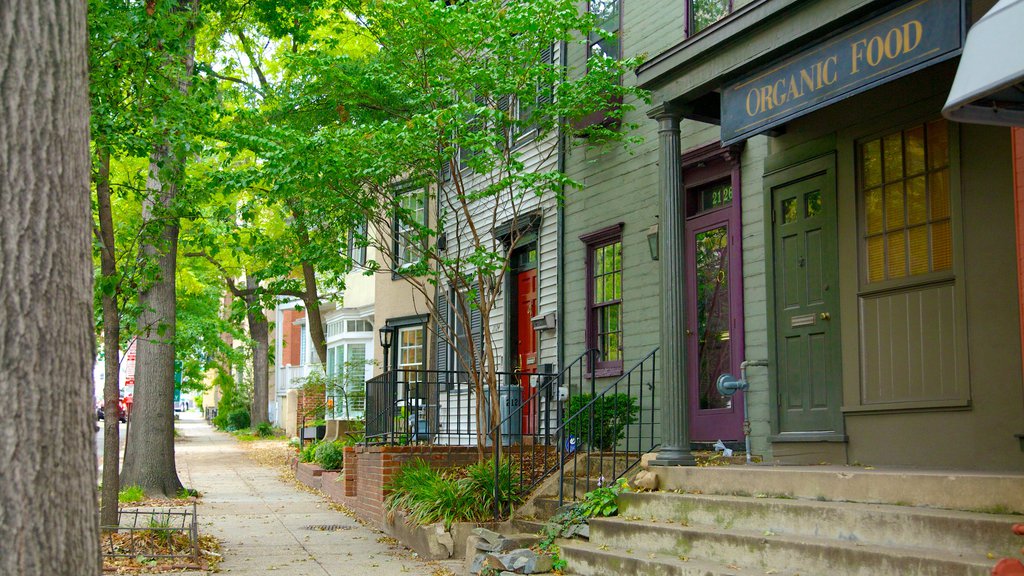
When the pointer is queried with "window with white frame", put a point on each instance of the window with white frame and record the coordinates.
(411, 216)
(347, 364)
(410, 353)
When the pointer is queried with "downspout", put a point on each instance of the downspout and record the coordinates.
(563, 61)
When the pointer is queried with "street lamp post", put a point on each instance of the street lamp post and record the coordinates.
(386, 333)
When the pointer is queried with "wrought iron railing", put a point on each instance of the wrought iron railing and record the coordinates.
(440, 408)
(548, 422)
(537, 457)
(606, 436)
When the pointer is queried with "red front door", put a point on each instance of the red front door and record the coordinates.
(526, 342)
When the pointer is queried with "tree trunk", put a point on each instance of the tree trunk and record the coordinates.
(149, 450)
(48, 521)
(311, 299)
(111, 348)
(260, 334)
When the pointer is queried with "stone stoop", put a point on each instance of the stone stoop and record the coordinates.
(809, 521)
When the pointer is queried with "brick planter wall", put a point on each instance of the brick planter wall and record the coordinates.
(332, 485)
(309, 474)
(369, 468)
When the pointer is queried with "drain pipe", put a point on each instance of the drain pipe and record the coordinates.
(729, 385)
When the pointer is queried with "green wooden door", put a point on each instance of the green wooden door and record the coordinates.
(807, 354)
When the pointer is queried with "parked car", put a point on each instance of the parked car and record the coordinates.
(122, 413)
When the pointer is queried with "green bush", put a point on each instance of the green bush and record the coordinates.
(238, 419)
(612, 413)
(330, 455)
(462, 495)
(265, 430)
(308, 452)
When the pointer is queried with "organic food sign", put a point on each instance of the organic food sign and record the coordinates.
(895, 44)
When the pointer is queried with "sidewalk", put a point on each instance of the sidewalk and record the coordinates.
(267, 525)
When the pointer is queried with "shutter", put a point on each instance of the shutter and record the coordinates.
(443, 347)
(546, 93)
(476, 327)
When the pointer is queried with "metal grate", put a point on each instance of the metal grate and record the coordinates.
(153, 533)
(327, 527)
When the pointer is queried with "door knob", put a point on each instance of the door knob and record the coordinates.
(825, 316)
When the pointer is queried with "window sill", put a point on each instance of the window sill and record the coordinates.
(604, 372)
(908, 406)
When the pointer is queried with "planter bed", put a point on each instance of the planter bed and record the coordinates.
(432, 541)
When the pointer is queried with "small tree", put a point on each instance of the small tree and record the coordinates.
(464, 82)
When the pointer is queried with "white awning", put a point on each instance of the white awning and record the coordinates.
(989, 83)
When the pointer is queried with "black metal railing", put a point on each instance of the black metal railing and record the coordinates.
(529, 462)
(433, 407)
(609, 432)
(549, 422)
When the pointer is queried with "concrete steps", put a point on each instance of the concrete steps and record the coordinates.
(865, 524)
(812, 521)
(762, 550)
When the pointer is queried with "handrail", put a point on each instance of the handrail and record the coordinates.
(527, 482)
(645, 370)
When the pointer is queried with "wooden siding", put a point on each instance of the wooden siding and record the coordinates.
(910, 347)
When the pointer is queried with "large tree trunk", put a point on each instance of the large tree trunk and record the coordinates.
(48, 521)
(111, 348)
(260, 334)
(149, 450)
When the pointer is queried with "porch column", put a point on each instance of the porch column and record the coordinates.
(675, 432)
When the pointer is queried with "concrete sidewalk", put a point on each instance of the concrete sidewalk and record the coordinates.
(268, 525)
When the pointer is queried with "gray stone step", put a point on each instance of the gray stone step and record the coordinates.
(590, 560)
(766, 551)
(971, 491)
(876, 524)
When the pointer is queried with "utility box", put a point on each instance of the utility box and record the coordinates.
(510, 398)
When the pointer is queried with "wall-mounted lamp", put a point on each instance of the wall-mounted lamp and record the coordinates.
(442, 242)
(652, 241)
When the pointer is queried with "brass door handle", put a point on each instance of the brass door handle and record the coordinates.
(825, 316)
(689, 332)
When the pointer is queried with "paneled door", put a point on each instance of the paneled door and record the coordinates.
(526, 342)
(805, 270)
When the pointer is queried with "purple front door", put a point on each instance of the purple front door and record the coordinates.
(714, 319)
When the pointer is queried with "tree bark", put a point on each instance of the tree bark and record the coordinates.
(311, 298)
(260, 334)
(48, 520)
(149, 450)
(111, 348)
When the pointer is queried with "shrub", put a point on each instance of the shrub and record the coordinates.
(265, 430)
(612, 413)
(308, 452)
(238, 419)
(465, 495)
(330, 455)
(131, 495)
